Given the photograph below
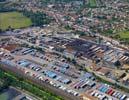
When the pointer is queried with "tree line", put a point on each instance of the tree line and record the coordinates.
(37, 18)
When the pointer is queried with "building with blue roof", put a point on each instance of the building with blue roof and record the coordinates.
(87, 75)
(50, 74)
(66, 81)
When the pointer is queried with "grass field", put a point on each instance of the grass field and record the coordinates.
(122, 36)
(4, 96)
(92, 3)
(14, 20)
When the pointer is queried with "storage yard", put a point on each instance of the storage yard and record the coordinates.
(74, 86)
(64, 49)
(48, 64)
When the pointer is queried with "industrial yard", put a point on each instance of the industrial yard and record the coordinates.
(64, 50)
(44, 61)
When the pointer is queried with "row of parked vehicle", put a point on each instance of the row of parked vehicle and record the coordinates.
(109, 91)
(100, 96)
(57, 85)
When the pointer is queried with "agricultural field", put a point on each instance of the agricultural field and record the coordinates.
(13, 20)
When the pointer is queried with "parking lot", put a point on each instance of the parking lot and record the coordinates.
(56, 71)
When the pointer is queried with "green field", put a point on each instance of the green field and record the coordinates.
(92, 3)
(122, 36)
(4, 96)
(14, 20)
